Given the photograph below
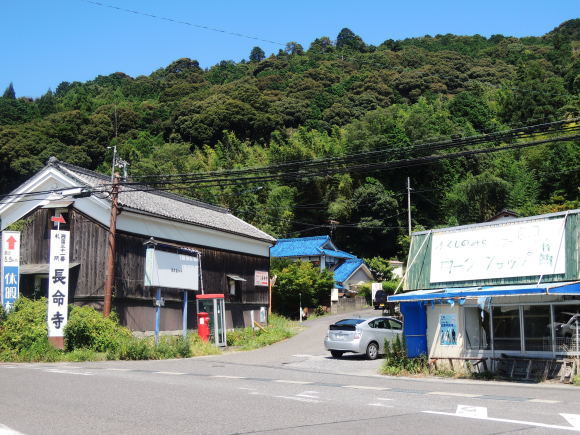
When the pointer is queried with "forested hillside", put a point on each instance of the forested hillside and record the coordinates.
(331, 99)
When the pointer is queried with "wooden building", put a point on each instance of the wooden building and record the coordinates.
(232, 251)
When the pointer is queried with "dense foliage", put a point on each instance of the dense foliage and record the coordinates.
(332, 99)
(88, 336)
(299, 283)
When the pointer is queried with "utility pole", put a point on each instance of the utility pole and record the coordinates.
(409, 202)
(110, 275)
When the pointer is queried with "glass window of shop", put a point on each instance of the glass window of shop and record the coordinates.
(537, 328)
(566, 328)
(477, 328)
(506, 328)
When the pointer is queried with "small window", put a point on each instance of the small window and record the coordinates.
(395, 325)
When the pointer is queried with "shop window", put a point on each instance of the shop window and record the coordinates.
(506, 328)
(537, 333)
(477, 328)
(566, 328)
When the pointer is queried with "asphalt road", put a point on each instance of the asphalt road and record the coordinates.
(290, 387)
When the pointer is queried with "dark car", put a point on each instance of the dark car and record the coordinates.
(380, 300)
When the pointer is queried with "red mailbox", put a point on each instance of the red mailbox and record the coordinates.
(203, 326)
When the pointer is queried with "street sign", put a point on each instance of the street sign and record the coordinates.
(58, 282)
(10, 268)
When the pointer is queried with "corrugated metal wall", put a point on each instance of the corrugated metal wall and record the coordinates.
(419, 273)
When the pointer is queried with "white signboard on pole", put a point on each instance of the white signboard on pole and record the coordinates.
(10, 268)
(504, 250)
(58, 274)
(171, 269)
(261, 278)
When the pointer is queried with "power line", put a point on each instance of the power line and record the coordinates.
(185, 23)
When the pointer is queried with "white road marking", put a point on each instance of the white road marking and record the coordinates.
(68, 372)
(300, 355)
(471, 411)
(463, 412)
(573, 419)
(543, 401)
(5, 430)
(310, 394)
(285, 381)
(383, 398)
(381, 405)
(169, 373)
(299, 399)
(229, 377)
(444, 393)
(364, 387)
(119, 370)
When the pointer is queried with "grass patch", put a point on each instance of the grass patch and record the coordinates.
(397, 363)
(278, 329)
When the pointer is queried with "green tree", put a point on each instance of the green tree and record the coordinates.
(347, 39)
(9, 92)
(257, 54)
(299, 280)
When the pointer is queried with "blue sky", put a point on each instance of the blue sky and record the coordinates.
(47, 42)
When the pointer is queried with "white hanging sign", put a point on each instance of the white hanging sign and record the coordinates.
(58, 274)
(171, 269)
(506, 250)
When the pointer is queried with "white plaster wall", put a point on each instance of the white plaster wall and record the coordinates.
(436, 350)
(358, 277)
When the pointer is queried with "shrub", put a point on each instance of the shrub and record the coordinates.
(24, 326)
(88, 329)
(397, 362)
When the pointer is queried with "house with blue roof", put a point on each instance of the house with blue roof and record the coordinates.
(349, 271)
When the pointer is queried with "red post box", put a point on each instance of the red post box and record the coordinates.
(203, 326)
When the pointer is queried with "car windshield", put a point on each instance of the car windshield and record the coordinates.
(350, 321)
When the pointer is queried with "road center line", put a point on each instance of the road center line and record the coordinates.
(119, 370)
(228, 377)
(364, 387)
(299, 399)
(444, 393)
(285, 381)
(170, 373)
(543, 401)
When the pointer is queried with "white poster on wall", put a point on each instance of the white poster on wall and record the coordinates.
(58, 283)
(171, 269)
(499, 251)
(261, 278)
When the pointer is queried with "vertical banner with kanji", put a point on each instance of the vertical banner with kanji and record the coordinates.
(58, 282)
(10, 268)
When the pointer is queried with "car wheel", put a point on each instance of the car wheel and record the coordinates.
(336, 353)
(372, 350)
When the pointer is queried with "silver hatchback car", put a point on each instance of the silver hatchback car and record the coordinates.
(362, 336)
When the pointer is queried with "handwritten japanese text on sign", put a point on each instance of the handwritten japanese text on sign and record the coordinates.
(499, 251)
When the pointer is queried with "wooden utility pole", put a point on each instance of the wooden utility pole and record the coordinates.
(110, 275)
(409, 202)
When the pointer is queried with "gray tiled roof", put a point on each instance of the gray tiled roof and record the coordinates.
(167, 205)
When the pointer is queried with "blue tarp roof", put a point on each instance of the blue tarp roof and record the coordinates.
(562, 288)
(346, 269)
(298, 247)
(338, 254)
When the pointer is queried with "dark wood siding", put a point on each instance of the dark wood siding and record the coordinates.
(89, 249)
